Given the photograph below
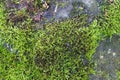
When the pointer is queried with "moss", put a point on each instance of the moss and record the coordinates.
(65, 45)
(56, 52)
(61, 50)
(109, 22)
(118, 74)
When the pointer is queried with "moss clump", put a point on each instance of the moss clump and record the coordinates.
(108, 25)
(109, 22)
(118, 74)
(61, 50)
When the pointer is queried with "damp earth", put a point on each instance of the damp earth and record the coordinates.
(107, 59)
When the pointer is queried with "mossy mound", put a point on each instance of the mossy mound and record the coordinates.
(61, 50)
(58, 51)
(111, 19)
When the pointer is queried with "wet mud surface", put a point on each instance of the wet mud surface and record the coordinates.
(52, 11)
(107, 59)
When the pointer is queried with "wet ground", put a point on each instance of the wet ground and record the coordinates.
(62, 9)
(107, 55)
(107, 59)
(53, 11)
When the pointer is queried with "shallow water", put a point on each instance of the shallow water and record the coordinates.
(107, 59)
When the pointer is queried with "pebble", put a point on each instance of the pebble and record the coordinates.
(114, 54)
(101, 57)
(109, 51)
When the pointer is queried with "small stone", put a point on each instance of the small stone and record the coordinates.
(101, 57)
(114, 54)
(109, 51)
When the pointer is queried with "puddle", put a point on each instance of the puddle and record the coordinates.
(107, 59)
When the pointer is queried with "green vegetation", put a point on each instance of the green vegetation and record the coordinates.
(118, 74)
(109, 23)
(59, 51)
